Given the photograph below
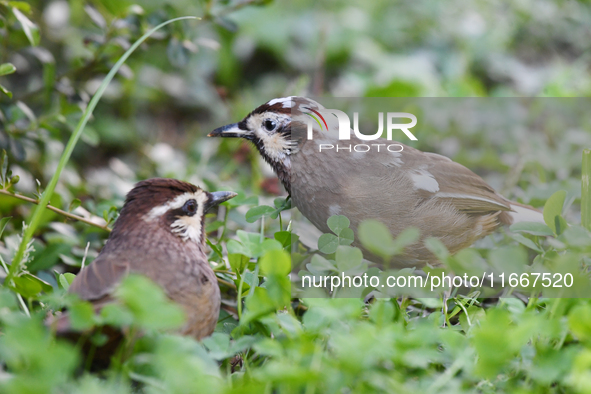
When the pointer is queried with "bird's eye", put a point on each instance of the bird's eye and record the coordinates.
(190, 207)
(269, 124)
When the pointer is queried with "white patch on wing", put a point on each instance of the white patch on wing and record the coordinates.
(522, 214)
(186, 227)
(470, 197)
(423, 179)
(334, 209)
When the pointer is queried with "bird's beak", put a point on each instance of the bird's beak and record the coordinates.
(230, 130)
(216, 198)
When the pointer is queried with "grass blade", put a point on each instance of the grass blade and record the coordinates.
(28, 234)
(586, 190)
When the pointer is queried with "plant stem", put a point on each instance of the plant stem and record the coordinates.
(239, 295)
(36, 218)
(57, 210)
(20, 298)
(586, 190)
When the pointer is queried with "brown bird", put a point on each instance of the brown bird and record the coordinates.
(441, 198)
(159, 234)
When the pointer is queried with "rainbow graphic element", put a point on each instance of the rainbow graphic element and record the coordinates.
(316, 119)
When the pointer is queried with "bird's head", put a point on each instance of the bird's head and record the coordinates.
(176, 205)
(272, 128)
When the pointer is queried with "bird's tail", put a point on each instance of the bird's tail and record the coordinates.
(522, 213)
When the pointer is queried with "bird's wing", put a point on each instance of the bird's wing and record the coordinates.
(100, 278)
(459, 186)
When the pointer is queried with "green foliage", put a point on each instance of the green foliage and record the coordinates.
(553, 212)
(343, 235)
(190, 77)
(377, 238)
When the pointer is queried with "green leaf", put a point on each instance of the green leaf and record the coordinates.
(268, 347)
(5, 91)
(111, 214)
(21, 5)
(256, 213)
(270, 244)
(248, 244)
(328, 243)
(346, 237)
(241, 199)
(218, 345)
(74, 204)
(348, 257)
(7, 68)
(116, 315)
(150, 307)
(376, 237)
(65, 280)
(284, 237)
(382, 312)
(276, 262)
(337, 223)
(407, 237)
(257, 305)
(579, 321)
(282, 203)
(526, 242)
(3, 223)
(82, 316)
(31, 30)
(237, 262)
(213, 226)
(532, 228)
(29, 285)
(319, 265)
(508, 259)
(553, 212)
(437, 247)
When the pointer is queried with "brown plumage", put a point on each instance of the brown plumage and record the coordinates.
(443, 199)
(159, 234)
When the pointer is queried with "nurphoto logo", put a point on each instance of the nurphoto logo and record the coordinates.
(333, 119)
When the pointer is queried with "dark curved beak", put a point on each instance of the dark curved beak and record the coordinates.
(231, 130)
(217, 198)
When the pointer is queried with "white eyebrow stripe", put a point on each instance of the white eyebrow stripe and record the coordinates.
(469, 197)
(287, 102)
(199, 196)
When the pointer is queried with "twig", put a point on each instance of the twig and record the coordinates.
(229, 284)
(85, 254)
(54, 209)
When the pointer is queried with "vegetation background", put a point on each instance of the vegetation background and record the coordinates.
(192, 76)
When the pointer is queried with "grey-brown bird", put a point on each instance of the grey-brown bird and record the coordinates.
(159, 234)
(440, 197)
